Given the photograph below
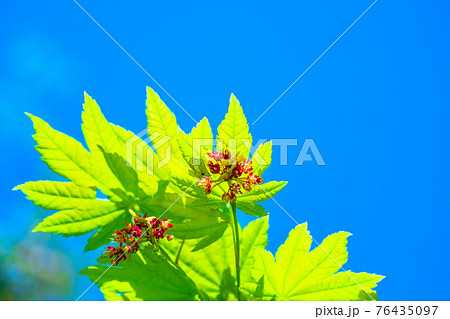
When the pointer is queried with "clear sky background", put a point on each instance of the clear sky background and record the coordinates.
(376, 105)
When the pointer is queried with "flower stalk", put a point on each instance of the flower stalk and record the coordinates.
(179, 252)
(236, 241)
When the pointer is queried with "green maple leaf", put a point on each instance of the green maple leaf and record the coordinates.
(233, 134)
(80, 211)
(191, 222)
(262, 158)
(301, 274)
(129, 172)
(64, 155)
(58, 195)
(143, 160)
(148, 275)
(162, 127)
(107, 167)
(253, 238)
(81, 221)
(213, 268)
(251, 209)
(193, 148)
(104, 233)
(68, 158)
(97, 130)
(260, 193)
(126, 176)
(233, 131)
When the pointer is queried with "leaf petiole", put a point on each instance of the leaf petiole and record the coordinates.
(236, 240)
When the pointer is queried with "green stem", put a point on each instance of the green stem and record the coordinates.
(235, 228)
(153, 239)
(179, 252)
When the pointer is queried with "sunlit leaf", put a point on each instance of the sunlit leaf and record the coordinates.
(103, 235)
(260, 193)
(63, 154)
(58, 195)
(79, 222)
(298, 274)
(96, 129)
(262, 158)
(211, 267)
(191, 222)
(162, 127)
(194, 145)
(141, 279)
(251, 209)
(234, 129)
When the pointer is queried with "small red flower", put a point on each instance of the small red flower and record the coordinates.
(235, 188)
(205, 183)
(165, 224)
(226, 197)
(214, 168)
(111, 251)
(254, 179)
(216, 155)
(145, 228)
(247, 186)
(236, 170)
(246, 166)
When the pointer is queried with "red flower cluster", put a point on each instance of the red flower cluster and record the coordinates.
(236, 171)
(143, 229)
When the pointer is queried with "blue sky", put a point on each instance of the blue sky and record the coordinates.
(376, 105)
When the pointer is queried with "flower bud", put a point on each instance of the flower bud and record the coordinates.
(226, 197)
(247, 186)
